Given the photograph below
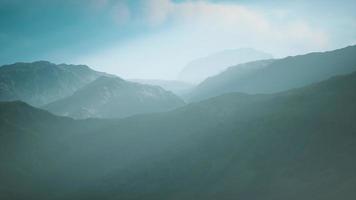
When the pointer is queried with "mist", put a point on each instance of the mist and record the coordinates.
(177, 99)
(156, 39)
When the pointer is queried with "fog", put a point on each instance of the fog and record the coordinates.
(177, 99)
(155, 39)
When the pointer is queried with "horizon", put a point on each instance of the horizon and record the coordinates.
(176, 79)
(156, 39)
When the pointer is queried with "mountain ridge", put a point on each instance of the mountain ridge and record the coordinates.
(234, 145)
(113, 97)
(278, 74)
(41, 82)
(201, 68)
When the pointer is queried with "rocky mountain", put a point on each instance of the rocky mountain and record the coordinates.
(42, 82)
(202, 68)
(269, 76)
(298, 144)
(113, 97)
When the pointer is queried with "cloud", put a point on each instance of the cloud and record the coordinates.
(233, 18)
(199, 28)
(220, 19)
(157, 12)
(121, 13)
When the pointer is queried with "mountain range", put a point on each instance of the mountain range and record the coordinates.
(179, 88)
(297, 144)
(80, 92)
(113, 97)
(270, 129)
(276, 75)
(198, 70)
(270, 75)
(42, 82)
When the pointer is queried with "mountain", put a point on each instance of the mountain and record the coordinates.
(177, 87)
(113, 97)
(80, 92)
(32, 143)
(42, 82)
(269, 76)
(202, 68)
(298, 144)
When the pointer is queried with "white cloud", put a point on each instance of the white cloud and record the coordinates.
(156, 12)
(235, 19)
(222, 19)
(199, 28)
(121, 13)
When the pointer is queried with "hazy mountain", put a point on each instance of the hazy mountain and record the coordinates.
(278, 75)
(42, 82)
(202, 68)
(175, 86)
(298, 144)
(112, 97)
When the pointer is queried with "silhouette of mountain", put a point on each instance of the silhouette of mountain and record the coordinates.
(42, 82)
(202, 68)
(297, 144)
(177, 87)
(277, 75)
(112, 97)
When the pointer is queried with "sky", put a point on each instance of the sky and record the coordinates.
(155, 39)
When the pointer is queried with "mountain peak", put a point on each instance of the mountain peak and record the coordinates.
(41, 82)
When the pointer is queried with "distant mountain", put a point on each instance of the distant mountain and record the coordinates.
(200, 69)
(298, 144)
(177, 87)
(269, 76)
(112, 97)
(42, 82)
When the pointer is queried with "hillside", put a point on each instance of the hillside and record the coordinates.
(179, 88)
(278, 75)
(42, 82)
(112, 97)
(297, 144)
(202, 68)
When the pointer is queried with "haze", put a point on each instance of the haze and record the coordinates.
(177, 99)
(155, 39)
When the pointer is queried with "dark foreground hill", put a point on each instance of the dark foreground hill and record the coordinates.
(42, 82)
(298, 144)
(269, 76)
(113, 97)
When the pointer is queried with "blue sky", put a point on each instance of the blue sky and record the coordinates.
(156, 38)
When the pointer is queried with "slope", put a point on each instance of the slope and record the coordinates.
(42, 82)
(297, 144)
(112, 97)
(202, 68)
(279, 74)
